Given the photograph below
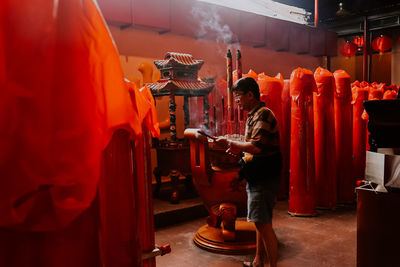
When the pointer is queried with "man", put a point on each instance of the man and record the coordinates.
(261, 166)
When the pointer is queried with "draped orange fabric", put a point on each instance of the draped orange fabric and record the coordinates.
(151, 121)
(143, 100)
(62, 96)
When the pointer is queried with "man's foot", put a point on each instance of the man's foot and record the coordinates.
(251, 264)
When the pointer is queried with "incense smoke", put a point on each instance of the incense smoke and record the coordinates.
(212, 27)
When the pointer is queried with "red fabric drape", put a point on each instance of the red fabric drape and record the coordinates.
(343, 133)
(324, 138)
(143, 195)
(75, 245)
(302, 199)
(62, 95)
(120, 235)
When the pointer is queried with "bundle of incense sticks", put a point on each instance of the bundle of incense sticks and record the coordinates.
(209, 136)
(233, 115)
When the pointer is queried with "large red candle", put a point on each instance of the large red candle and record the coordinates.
(359, 130)
(324, 140)
(285, 139)
(302, 168)
(271, 94)
(343, 133)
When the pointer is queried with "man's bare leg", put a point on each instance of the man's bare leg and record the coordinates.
(268, 235)
(260, 251)
(261, 256)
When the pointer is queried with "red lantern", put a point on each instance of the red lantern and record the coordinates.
(348, 49)
(382, 44)
(359, 41)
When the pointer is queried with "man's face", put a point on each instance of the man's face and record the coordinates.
(243, 100)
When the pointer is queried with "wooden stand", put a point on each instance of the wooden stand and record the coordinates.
(179, 74)
(211, 239)
(173, 162)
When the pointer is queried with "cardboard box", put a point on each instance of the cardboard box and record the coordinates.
(383, 167)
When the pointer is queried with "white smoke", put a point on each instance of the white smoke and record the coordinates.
(210, 24)
(212, 27)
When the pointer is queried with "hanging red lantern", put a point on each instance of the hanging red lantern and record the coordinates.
(382, 44)
(359, 41)
(348, 49)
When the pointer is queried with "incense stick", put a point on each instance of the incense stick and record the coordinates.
(209, 136)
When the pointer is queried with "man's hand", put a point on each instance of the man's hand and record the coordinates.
(228, 144)
(233, 151)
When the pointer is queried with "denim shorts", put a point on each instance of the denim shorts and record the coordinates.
(261, 201)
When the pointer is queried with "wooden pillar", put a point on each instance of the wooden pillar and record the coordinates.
(186, 110)
(206, 115)
(366, 54)
(229, 92)
(172, 118)
(395, 77)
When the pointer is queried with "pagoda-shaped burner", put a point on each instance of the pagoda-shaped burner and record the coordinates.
(179, 74)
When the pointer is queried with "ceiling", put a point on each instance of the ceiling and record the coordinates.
(381, 14)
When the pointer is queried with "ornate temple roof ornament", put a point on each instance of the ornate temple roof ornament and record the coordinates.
(179, 76)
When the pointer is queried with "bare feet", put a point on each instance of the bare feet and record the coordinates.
(253, 264)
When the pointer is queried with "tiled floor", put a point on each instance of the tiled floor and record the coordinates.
(326, 240)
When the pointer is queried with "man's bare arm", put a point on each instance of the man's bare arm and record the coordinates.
(238, 145)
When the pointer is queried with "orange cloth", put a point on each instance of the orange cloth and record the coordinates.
(62, 96)
(144, 101)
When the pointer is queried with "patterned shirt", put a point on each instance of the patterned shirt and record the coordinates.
(262, 130)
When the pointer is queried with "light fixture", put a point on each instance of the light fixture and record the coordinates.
(341, 11)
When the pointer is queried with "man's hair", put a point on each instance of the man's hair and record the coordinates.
(245, 85)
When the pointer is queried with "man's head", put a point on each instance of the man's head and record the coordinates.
(247, 93)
